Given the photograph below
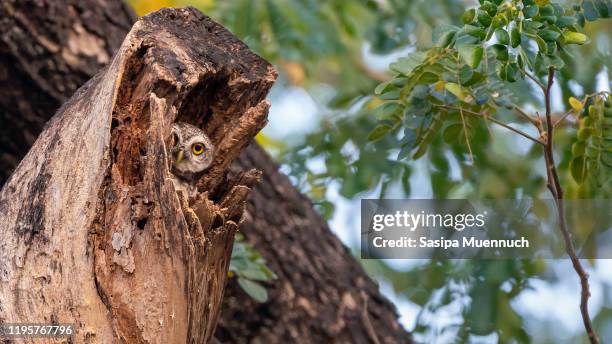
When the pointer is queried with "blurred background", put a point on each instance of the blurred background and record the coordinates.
(330, 56)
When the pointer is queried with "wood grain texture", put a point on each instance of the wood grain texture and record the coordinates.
(92, 230)
(47, 50)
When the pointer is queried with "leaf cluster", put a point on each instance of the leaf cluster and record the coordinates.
(591, 165)
(460, 83)
(249, 267)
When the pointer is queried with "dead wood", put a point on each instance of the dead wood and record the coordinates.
(92, 230)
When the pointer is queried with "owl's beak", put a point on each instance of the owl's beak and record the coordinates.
(180, 156)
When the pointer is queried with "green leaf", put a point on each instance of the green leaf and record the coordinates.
(255, 274)
(443, 34)
(428, 136)
(468, 16)
(456, 90)
(484, 18)
(547, 10)
(570, 37)
(558, 10)
(590, 12)
(512, 72)
(452, 132)
(407, 143)
(379, 132)
(385, 110)
(501, 52)
(498, 21)
(553, 61)
(405, 65)
(465, 74)
(475, 78)
(428, 78)
(475, 31)
(566, 21)
(581, 20)
(551, 47)
(508, 71)
(381, 88)
(471, 54)
(549, 19)
(542, 47)
(391, 95)
(489, 7)
(502, 36)
(578, 148)
(531, 26)
(578, 169)
(584, 134)
(254, 289)
(530, 11)
(515, 37)
(604, 8)
(524, 59)
(549, 35)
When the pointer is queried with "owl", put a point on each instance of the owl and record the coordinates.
(191, 154)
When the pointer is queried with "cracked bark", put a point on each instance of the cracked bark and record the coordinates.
(102, 205)
(319, 295)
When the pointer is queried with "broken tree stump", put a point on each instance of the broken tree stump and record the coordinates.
(51, 47)
(92, 230)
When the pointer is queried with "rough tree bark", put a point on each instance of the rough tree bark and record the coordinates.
(49, 48)
(92, 205)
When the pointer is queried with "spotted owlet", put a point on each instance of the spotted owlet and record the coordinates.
(191, 154)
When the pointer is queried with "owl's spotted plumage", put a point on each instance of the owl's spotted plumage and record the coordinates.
(191, 154)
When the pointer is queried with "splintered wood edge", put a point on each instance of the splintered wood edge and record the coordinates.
(160, 76)
(239, 111)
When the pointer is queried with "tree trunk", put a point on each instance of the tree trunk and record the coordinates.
(92, 205)
(49, 48)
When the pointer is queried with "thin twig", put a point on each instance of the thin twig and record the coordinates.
(465, 133)
(555, 186)
(567, 113)
(489, 118)
(534, 79)
(526, 116)
(584, 101)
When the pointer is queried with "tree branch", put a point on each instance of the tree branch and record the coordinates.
(534, 79)
(557, 191)
(489, 118)
(526, 116)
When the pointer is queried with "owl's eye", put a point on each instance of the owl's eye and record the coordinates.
(197, 148)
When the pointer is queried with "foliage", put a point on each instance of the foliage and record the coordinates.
(479, 292)
(591, 165)
(455, 86)
(249, 267)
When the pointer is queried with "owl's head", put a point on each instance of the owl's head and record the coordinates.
(191, 150)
